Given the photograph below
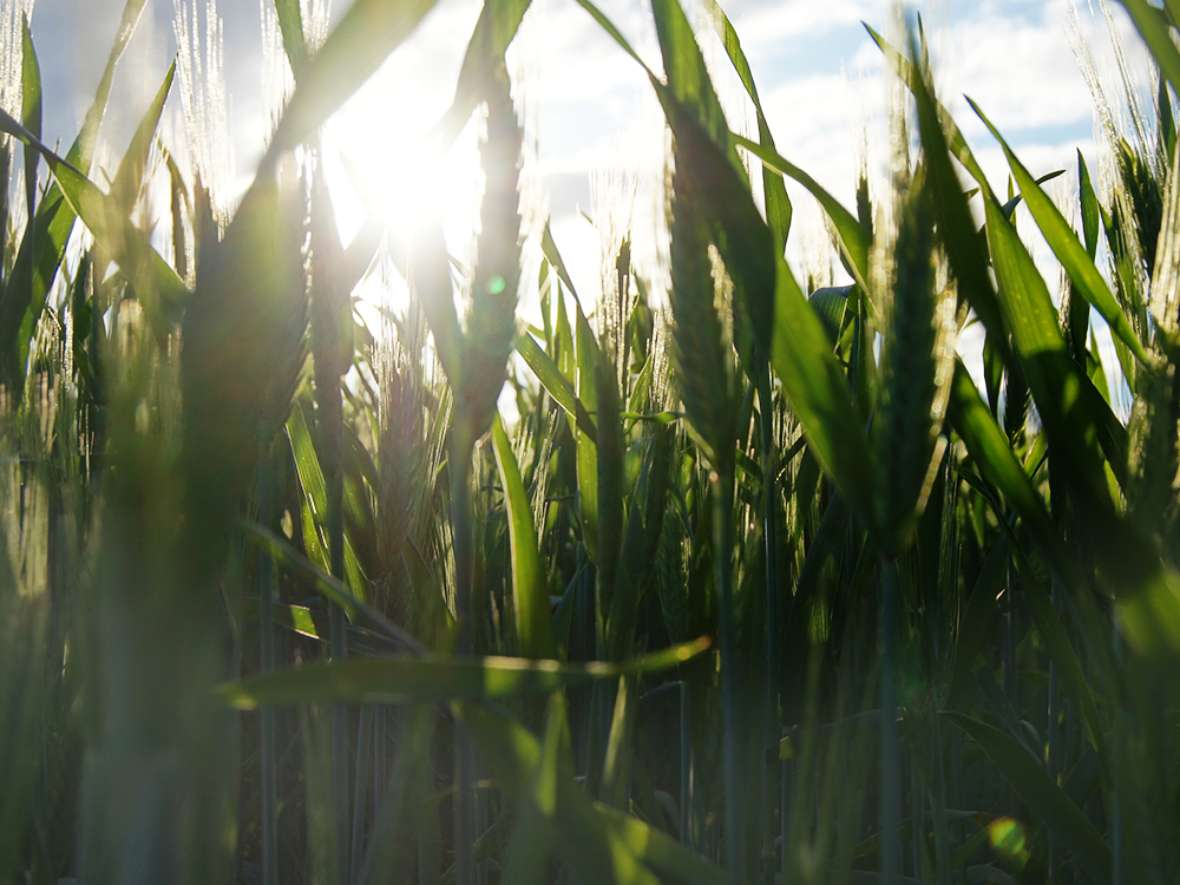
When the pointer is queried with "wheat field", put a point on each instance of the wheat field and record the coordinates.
(706, 572)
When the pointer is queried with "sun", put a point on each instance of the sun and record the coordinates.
(385, 161)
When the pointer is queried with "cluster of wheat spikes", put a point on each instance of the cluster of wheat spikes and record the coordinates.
(757, 586)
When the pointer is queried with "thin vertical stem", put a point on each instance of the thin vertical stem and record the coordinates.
(685, 748)
(917, 824)
(784, 825)
(1010, 636)
(1051, 735)
(1009, 651)
(462, 543)
(364, 732)
(337, 628)
(267, 587)
(770, 547)
(722, 482)
(890, 745)
(939, 821)
(770, 541)
(1116, 810)
(5, 165)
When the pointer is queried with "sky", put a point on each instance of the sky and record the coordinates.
(595, 132)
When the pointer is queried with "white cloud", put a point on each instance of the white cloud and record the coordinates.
(762, 25)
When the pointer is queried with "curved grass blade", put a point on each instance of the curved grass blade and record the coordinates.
(30, 113)
(496, 28)
(603, 845)
(324, 539)
(553, 256)
(579, 836)
(697, 125)
(587, 356)
(555, 383)
(150, 276)
(129, 176)
(818, 392)
(1048, 801)
(1061, 239)
(1014, 202)
(332, 589)
(778, 204)
(831, 303)
(989, 447)
(699, 352)
(965, 246)
(42, 248)
(430, 282)
(290, 16)
(1153, 27)
(912, 78)
(530, 602)
(1166, 117)
(687, 77)
(658, 850)
(307, 464)
(1091, 212)
(615, 34)
(853, 239)
(702, 354)
(714, 181)
(430, 678)
(1079, 424)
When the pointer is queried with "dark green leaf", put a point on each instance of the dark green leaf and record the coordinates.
(1029, 778)
(425, 678)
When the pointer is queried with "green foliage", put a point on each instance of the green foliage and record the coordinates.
(607, 598)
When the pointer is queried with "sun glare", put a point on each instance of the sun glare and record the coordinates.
(385, 164)
(397, 181)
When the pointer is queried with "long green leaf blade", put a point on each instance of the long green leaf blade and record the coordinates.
(530, 602)
(1072, 254)
(555, 383)
(30, 112)
(819, 394)
(429, 678)
(496, 28)
(853, 240)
